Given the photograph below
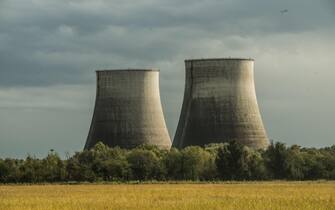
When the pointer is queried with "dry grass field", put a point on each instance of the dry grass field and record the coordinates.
(244, 195)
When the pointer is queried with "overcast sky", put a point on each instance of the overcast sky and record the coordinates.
(49, 50)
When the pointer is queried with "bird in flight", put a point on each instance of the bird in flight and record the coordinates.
(284, 11)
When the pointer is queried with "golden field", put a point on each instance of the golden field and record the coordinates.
(243, 195)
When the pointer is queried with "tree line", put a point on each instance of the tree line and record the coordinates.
(215, 162)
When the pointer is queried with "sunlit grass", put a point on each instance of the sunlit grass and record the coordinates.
(248, 195)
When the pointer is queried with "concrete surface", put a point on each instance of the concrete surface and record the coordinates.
(128, 110)
(220, 104)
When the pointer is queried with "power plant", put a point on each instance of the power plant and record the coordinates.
(128, 110)
(220, 104)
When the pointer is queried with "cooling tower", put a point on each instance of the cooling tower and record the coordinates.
(220, 104)
(128, 110)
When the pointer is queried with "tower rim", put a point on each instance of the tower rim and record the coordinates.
(219, 59)
(126, 70)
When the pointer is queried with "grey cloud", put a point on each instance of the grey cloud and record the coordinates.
(331, 3)
(66, 97)
(40, 33)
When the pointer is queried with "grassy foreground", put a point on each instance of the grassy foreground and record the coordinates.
(243, 195)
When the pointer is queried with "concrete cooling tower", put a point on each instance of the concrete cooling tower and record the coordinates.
(220, 104)
(128, 110)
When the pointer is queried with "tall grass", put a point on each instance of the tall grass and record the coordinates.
(243, 195)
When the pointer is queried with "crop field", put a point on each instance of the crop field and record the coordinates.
(240, 195)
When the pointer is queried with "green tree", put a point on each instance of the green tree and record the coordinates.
(275, 159)
(196, 162)
(232, 161)
(173, 164)
(4, 171)
(31, 170)
(294, 164)
(145, 165)
(256, 165)
(54, 169)
(116, 170)
(79, 167)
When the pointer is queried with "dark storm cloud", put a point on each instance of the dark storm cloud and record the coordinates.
(51, 38)
(332, 5)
